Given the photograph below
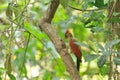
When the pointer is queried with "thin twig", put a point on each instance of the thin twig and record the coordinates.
(24, 57)
(85, 10)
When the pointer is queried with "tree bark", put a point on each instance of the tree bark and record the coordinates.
(45, 26)
(115, 29)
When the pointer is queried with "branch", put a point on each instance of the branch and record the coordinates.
(85, 10)
(45, 25)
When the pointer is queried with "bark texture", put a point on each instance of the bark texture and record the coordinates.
(114, 6)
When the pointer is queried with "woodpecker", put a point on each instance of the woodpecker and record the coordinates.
(74, 47)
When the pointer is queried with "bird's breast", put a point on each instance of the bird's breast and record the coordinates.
(75, 48)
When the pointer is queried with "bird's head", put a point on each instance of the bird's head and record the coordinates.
(68, 33)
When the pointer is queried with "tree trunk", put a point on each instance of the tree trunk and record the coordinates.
(45, 25)
(114, 27)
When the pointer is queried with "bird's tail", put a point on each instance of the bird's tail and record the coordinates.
(78, 64)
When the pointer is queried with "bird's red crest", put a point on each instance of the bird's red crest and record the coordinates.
(68, 31)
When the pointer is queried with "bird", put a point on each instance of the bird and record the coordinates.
(74, 47)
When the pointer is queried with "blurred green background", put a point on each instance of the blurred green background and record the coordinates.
(26, 53)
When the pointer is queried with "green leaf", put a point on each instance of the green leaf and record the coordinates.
(89, 14)
(24, 71)
(106, 1)
(0, 78)
(47, 76)
(64, 3)
(116, 13)
(97, 29)
(12, 77)
(9, 10)
(3, 6)
(90, 57)
(116, 60)
(111, 43)
(2, 69)
(57, 68)
(106, 53)
(114, 19)
(101, 61)
(17, 12)
(104, 70)
(84, 45)
(34, 31)
(99, 3)
(84, 6)
(101, 47)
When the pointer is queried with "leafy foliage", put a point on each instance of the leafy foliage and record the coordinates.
(116, 61)
(12, 77)
(40, 59)
(104, 70)
(101, 61)
(64, 3)
(106, 52)
(115, 20)
(111, 43)
(90, 57)
(99, 3)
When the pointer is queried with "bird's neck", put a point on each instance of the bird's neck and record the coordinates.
(70, 37)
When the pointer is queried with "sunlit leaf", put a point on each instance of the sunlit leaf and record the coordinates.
(97, 29)
(2, 6)
(90, 57)
(100, 46)
(99, 3)
(104, 70)
(47, 76)
(116, 13)
(59, 67)
(84, 6)
(107, 53)
(88, 14)
(111, 43)
(64, 3)
(114, 19)
(17, 11)
(12, 77)
(1, 69)
(116, 60)
(101, 61)
(106, 1)
(34, 31)
(84, 45)
(24, 70)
